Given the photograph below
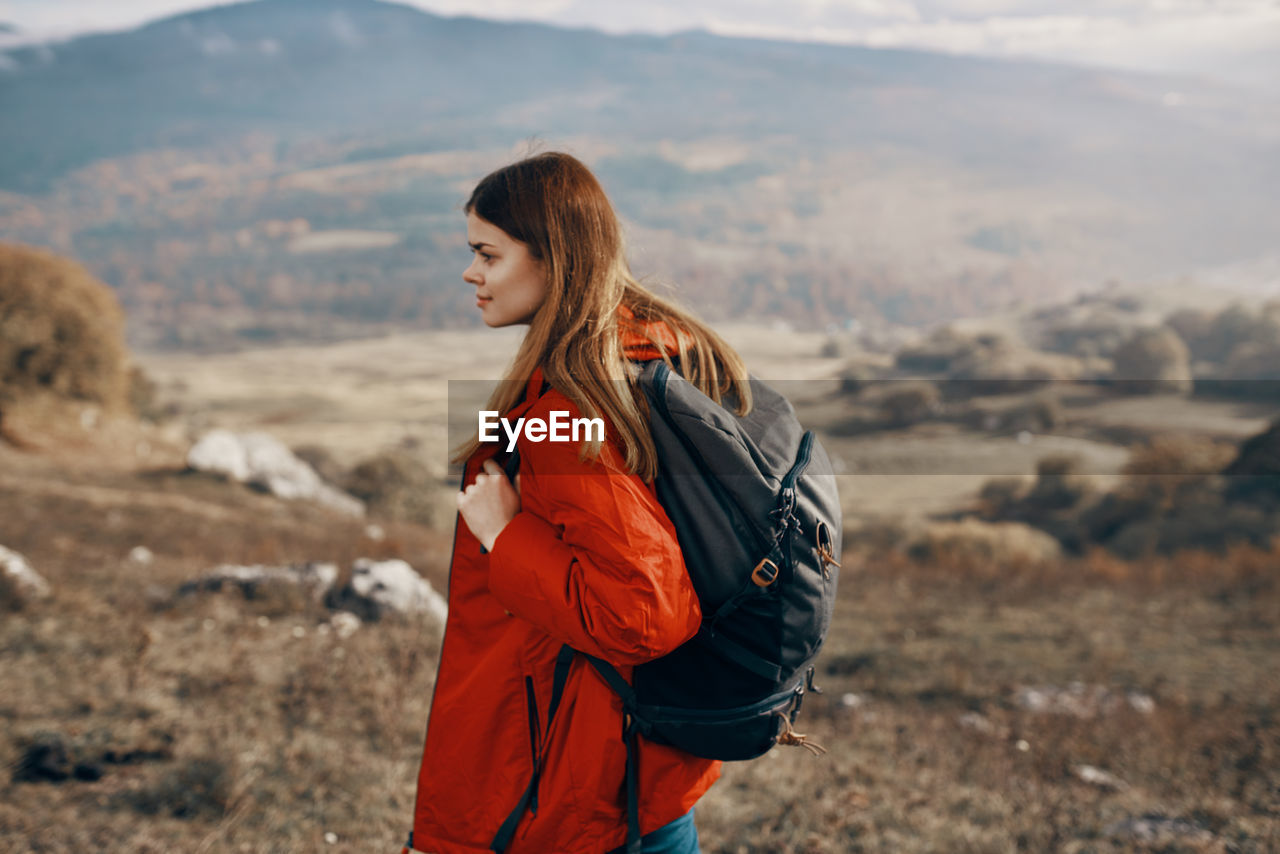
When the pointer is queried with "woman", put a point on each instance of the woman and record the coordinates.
(524, 749)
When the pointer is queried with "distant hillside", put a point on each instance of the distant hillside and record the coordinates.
(813, 182)
(302, 67)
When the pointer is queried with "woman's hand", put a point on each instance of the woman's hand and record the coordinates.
(489, 504)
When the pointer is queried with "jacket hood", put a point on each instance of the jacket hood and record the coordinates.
(638, 336)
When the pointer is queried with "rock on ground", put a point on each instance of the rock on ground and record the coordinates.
(263, 461)
(385, 587)
(1081, 701)
(29, 582)
(1154, 828)
(317, 577)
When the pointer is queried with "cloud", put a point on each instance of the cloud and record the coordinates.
(1213, 36)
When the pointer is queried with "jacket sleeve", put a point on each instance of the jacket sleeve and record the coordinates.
(593, 561)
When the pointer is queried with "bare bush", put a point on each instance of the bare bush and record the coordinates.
(1254, 474)
(999, 543)
(998, 497)
(323, 461)
(1233, 326)
(908, 402)
(200, 787)
(1171, 499)
(397, 485)
(1009, 368)
(1194, 326)
(856, 377)
(61, 330)
(935, 354)
(12, 596)
(1153, 361)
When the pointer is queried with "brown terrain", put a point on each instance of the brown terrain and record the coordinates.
(998, 698)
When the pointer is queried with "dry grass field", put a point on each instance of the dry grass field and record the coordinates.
(1082, 705)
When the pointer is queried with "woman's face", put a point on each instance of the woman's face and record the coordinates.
(511, 284)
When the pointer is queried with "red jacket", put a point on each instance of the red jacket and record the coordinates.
(591, 560)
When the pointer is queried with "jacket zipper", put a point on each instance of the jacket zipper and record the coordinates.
(534, 730)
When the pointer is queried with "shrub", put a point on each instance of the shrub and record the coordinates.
(198, 788)
(324, 463)
(935, 355)
(397, 485)
(1194, 326)
(1172, 498)
(12, 598)
(1059, 485)
(855, 377)
(1233, 326)
(908, 402)
(1153, 361)
(1000, 543)
(61, 330)
(1254, 475)
(998, 497)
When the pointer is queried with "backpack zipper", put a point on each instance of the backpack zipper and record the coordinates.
(802, 460)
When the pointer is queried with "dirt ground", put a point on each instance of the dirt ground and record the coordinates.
(1087, 705)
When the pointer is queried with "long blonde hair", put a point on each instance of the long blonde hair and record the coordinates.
(554, 205)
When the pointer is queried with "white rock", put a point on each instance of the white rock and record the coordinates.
(220, 452)
(141, 555)
(1097, 777)
(29, 582)
(1080, 700)
(317, 577)
(262, 460)
(389, 586)
(1141, 702)
(345, 624)
(1154, 828)
(977, 722)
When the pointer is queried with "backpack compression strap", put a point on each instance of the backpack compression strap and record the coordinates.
(632, 726)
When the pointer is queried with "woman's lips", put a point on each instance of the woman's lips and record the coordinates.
(480, 301)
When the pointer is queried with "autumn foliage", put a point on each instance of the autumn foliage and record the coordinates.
(61, 330)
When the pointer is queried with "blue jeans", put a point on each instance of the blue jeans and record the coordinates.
(678, 837)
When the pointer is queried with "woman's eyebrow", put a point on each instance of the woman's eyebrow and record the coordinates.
(479, 246)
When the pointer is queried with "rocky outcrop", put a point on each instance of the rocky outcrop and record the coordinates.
(262, 461)
(316, 578)
(373, 590)
(378, 588)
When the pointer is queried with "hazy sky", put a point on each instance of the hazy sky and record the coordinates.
(1229, 38)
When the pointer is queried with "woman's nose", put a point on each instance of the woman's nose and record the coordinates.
(469, 275)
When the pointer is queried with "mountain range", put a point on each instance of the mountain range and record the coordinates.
(811, 157)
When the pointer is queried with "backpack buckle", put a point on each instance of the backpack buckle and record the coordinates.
(765, 573)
